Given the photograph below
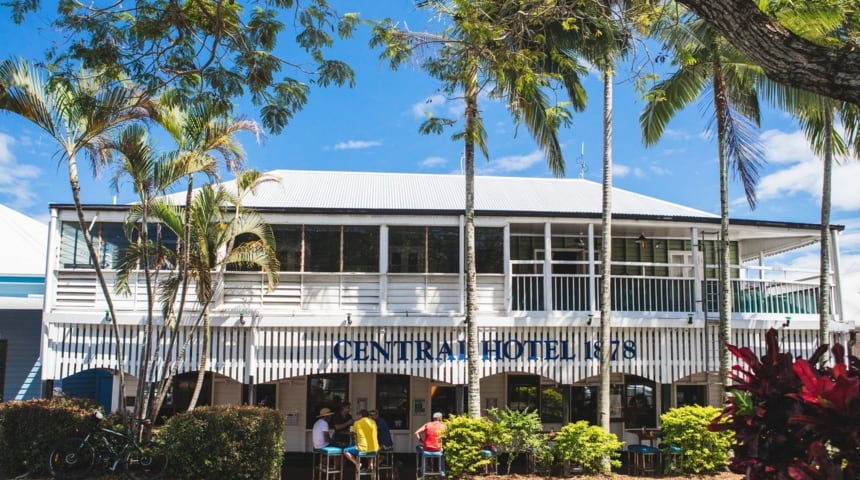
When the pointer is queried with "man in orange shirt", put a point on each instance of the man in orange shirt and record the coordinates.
(430, 436)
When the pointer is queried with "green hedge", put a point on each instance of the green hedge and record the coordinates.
(29, 428)
(463, 440)
(239, 443)
(588, 446)
(701, 449)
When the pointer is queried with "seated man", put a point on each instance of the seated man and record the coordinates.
(430, 437)
(320, 433)
(365, 440)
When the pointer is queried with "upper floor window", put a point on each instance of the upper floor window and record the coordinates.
(109, 241)
(489, 249)
(327, 248)
(424, 249)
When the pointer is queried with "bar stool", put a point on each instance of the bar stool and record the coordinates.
(643, 459)
(430, 464)
(366, 472)
(328, 463)
(385, 464)
(491, 468)
(672, 459)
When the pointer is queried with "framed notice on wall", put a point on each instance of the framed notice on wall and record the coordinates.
(418, 406)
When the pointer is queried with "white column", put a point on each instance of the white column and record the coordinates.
(383, 269)
(697, 273)
(506, 266)
(592, 281)
(547, 267)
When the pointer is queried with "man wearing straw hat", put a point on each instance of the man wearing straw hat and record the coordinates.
(320, 434)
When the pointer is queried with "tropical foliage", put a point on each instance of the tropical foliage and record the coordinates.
(464, 439)
(791, 419)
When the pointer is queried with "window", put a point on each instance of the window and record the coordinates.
(109, 241)
(424, 249)
(3, 344)
(327, 248)
(322, 248)
(181, 390)
(584, 404)
(691, 395)
(551, 404)
(360, 249)
(639, 403)
(325, 391)
(288, 246)
(265, 395)
(523, 392)
(489, 250)
(406, 250)
(392, 400)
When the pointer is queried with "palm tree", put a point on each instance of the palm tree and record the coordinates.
(203, 133)
(705, 59)
(79, 114)
(495, 46)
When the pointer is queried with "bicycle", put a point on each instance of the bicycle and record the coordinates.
(74, 458)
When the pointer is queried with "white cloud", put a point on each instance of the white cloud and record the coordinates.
(620, 171)
(803, 172)
(356, 144)
(781, 147)
(432, 162)
(677, 134)
(14, 176)
(513, 163)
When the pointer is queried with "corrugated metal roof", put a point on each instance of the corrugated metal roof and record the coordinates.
(330, 190)
(26, 242)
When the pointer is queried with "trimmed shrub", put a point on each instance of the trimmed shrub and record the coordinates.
(516, 432)
(701, 449)
(588, 446)
(29, 428)
(463, 440)
(239, 443)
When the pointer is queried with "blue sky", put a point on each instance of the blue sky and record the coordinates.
(374, 127)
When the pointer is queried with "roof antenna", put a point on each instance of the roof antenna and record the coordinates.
(582, 166)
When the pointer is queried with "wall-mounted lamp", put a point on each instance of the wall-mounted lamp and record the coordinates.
(590, 318)
(689, 319)
(107, 316)
(349, 319)
(241, 318)
(787, 322)
(642, 241)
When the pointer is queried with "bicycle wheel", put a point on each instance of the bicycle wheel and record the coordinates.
(145, 462)
(71, 459)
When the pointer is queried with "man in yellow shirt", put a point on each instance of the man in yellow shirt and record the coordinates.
(366, 440)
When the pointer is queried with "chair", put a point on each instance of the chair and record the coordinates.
(643, 459)
(328, 463)
(366, 472)
(430, 464)
(385, 464)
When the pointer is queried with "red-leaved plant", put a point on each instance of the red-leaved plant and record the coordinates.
(792, 419)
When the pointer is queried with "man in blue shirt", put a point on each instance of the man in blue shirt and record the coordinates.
(383, 433)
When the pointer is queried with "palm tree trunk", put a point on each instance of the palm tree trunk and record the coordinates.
(474, 382)
(204, 359)
(120, 350)
(725, 326)
(605, 261)
(824, 303)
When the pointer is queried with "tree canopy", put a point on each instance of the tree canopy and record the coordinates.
(216, 49)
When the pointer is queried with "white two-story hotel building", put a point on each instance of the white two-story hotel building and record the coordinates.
(370, 305)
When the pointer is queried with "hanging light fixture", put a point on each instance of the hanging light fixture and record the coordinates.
(642, 241)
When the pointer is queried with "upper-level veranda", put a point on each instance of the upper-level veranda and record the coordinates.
(361, 263)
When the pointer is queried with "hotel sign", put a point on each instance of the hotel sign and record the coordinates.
(492, 350)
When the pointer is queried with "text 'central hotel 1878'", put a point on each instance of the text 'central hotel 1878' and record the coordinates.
(370, 302)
